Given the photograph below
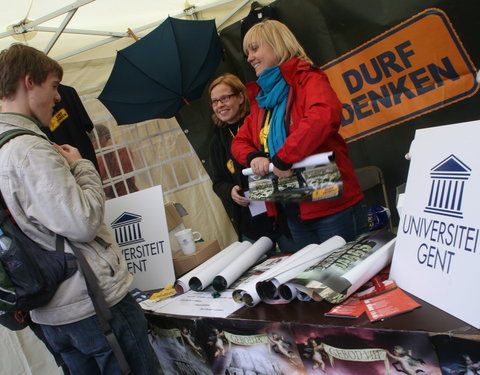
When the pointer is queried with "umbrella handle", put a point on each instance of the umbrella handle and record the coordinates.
(185, 101)
(132, 34)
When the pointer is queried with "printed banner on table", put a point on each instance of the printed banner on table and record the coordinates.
(415, 68)
(139, 226)
(438, 234)
(229, 346)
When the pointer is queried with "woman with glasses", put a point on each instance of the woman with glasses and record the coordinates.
(230, 104)
(296, 114)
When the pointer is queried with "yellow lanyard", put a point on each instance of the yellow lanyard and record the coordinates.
(230, 130)
(264, 131)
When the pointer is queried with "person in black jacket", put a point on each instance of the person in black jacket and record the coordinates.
(230, 104)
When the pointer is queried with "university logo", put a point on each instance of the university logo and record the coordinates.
(127, 229)
(448, 182)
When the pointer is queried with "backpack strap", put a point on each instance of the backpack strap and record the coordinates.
(104, 314)
(6, 136)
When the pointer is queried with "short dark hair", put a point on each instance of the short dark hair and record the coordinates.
(102, 135)
(19, 60)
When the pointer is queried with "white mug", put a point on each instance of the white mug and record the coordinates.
(186, 239)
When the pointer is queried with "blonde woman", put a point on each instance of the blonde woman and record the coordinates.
(295, 113)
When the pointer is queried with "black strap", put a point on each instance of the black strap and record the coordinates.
(12, 133)
(101, 308)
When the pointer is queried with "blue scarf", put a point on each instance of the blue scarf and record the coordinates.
(274, 95)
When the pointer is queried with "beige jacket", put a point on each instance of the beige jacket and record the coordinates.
(46, 196)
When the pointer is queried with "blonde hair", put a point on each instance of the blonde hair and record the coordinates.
(279, 37)
(237, 87)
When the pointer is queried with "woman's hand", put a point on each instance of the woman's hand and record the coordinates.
(279, 173)
(237, 198)
(260, 165)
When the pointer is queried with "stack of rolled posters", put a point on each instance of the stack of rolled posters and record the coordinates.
(340, 274)
(268, 282)
(317, 159)
(227, 254)
(204, 277)
(242, 263)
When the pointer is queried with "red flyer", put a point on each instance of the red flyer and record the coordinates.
(391, 303)
(351, 308)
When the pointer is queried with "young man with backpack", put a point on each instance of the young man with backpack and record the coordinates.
(49, 189)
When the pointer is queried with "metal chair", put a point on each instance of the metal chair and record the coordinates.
(370, 177)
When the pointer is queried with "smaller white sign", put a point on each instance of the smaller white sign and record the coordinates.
(139, 226)
(437, 254)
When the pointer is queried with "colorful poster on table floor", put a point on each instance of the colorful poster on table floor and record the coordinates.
(437, 254)
(457, 356)
(175, 343)
(230, 346)
(352, 351)
(138, 224)
(249, 347)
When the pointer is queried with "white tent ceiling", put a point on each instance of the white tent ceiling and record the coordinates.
(63, 28)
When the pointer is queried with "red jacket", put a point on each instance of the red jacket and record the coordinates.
(314, 114)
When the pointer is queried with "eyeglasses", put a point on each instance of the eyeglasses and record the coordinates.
(223, 99)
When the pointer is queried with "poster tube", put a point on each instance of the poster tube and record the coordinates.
(310, 161)
(242, 263)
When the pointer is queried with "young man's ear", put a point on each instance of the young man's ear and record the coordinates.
(28, 81)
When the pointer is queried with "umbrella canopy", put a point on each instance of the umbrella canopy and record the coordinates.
(156, 76)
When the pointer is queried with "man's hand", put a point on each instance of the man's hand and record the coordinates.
(70, 153)
(237, 198)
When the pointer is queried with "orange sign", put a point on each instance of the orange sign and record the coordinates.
(416, 67)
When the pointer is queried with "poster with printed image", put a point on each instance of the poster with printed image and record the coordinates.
(457, 356)
(313, 183)
(177, 347)
(247, 347)
(352, 351)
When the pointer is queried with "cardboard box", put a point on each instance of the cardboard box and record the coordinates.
(204, 251)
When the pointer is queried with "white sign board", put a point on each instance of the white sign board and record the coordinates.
(437, 254)
(139, 225)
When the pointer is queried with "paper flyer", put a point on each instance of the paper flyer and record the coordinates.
(391, 303)
(353, 307)
(198, 304)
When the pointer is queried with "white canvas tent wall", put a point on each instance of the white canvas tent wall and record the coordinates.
(84, 36)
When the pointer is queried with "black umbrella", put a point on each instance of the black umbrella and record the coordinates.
(156, 76)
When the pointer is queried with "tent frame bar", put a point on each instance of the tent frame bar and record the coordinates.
(139, 30)
(23, 28)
